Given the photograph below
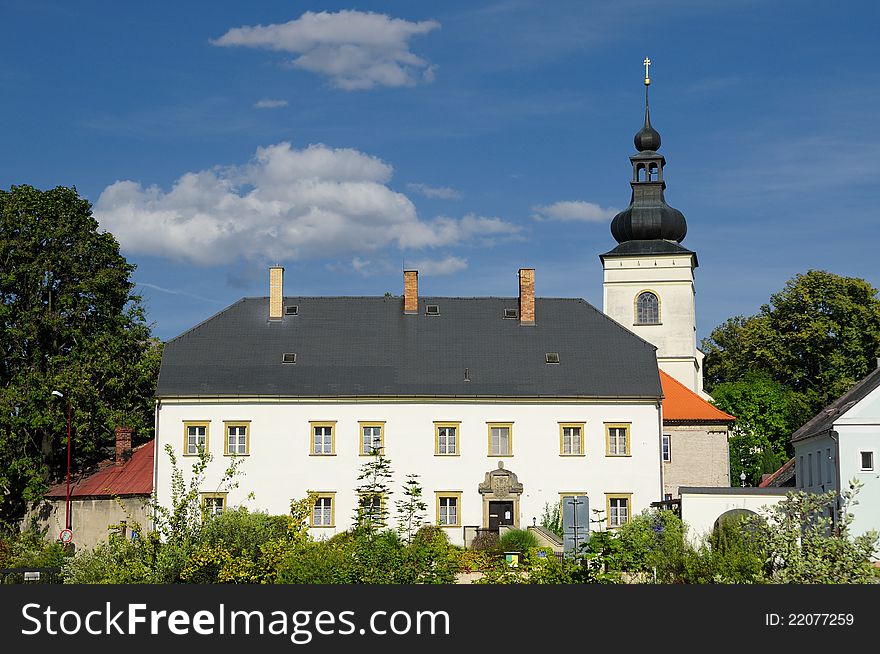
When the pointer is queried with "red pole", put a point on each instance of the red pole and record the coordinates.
(68, 465)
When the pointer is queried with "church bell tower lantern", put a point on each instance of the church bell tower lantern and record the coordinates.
(649, 277)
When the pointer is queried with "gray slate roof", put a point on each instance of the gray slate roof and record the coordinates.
(825, 419)
(366, 346)
(648, 247)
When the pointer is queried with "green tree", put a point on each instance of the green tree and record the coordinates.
(817, 337)
(804, 545)
(411, 509)
(371, 510)
(71, 323)
(765, 419)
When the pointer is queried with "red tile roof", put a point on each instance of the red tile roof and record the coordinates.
(681, 403)
(134, 477)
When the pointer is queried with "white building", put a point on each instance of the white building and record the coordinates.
(840, 444)
(501, 405)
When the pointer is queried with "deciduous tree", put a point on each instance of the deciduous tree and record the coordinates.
(70, 322)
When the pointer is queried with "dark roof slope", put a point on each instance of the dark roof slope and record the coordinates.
(648, 247)
(824, 420)
(784, 477)
(365, 346)
(134, 477)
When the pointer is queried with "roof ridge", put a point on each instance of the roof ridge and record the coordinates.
(835, 406)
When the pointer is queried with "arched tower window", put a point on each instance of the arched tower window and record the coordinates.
(647, 309)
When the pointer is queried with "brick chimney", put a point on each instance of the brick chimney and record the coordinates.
(123, 444)
(276, 292)
(526, 296)
(410, 291)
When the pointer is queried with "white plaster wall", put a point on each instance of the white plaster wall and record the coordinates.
(279, 467)
(671, 277)
(854, 439)
(822, 478)
(699, 511)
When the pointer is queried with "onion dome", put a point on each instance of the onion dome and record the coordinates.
(647, 138)
(648, 217)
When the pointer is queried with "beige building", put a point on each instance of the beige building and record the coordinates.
(695, 448)
(117, 492)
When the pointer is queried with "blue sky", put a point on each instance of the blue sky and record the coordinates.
(346, 141)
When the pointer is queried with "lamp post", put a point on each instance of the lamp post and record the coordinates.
(67, 508)
(742, 479)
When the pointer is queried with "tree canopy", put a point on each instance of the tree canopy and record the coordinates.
(817, 337)
(70, 323)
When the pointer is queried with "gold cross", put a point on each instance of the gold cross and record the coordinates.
(647, 63)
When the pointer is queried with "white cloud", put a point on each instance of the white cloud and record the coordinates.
(436, 192)
(437, 267)
(270, 103)
(285, 204)
(574, 210)
(355, 49)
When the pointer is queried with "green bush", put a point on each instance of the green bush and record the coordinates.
(518, 540)
(486, 541)
(30, 549)
(653, 542)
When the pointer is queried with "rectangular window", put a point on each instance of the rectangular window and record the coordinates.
(819, 467)
(370, 509)
(571, 438)
(617, 439)
(449, 509)
(214, 503)
(238, 438)
(829, 476)
(323, 511)
(618, 508)
(372, 438)
(500, 439)
(446, 438)
(810, 469)
(323, 437)
(195, 436)
(866, 459)
(667, 448)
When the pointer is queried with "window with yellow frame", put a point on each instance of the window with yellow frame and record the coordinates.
(238, 438)
(500, 438)
(214, 503)
(322, 438)
(617, 439)
(195, 437)
(323, 510)
(571, 439)
(448, 508)
(371, 509)
(372, 438)
(447, 438)
(618, 508)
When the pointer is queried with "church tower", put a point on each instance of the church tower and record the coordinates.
(649, 276)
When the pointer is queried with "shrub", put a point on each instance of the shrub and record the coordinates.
(518, 540)
(30, 549)
(486, 541)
